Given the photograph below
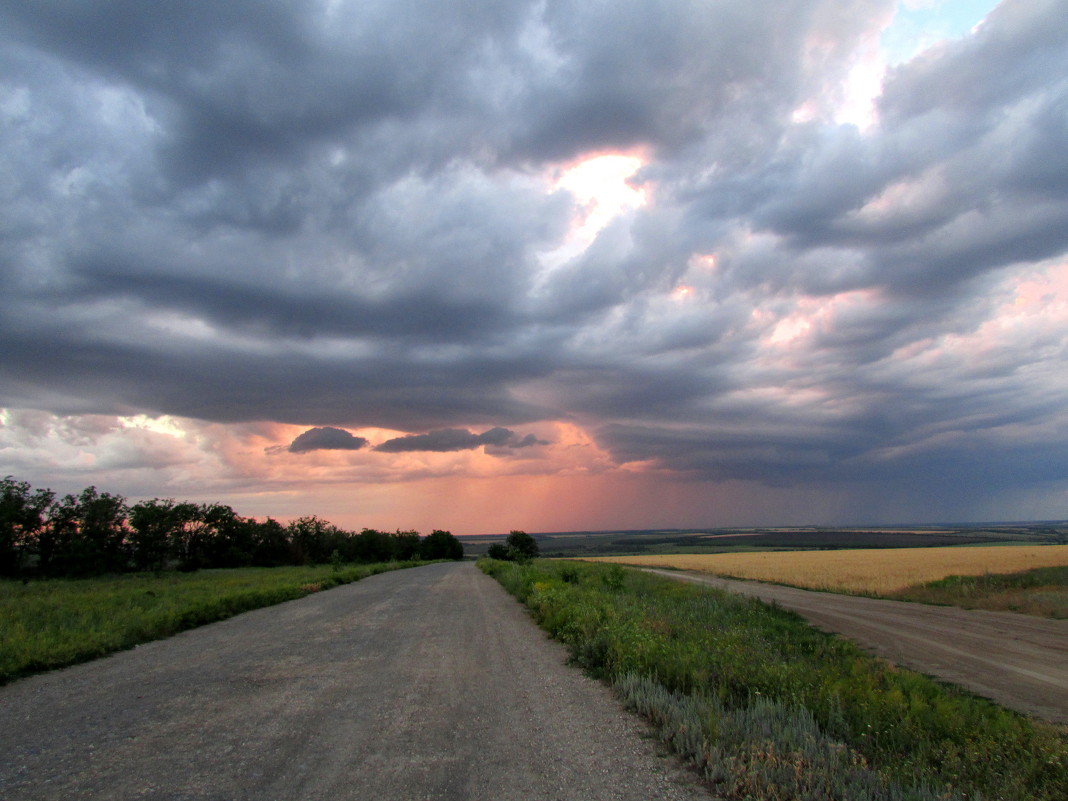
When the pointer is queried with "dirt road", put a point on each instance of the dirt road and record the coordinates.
(428, 683)
(1017, 660)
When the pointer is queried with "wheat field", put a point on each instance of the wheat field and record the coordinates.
(874, 572)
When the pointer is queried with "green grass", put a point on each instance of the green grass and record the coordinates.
(768, 707)
(1042, 591)
(54, 623)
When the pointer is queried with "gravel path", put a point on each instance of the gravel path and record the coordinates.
(428, 683)
(1019, 661)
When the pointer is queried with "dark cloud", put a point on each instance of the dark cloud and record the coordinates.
(342, 215)
(458, 439)
(326, 439)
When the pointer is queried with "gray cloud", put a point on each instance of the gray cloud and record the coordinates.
(326, 439)
(339, 215)
(458, 439)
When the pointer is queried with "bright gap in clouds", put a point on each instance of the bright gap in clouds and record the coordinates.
(920, 24)
(915, 26)
(601, 188)
(600, 184)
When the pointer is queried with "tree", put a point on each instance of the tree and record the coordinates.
(199, 522)
(405, 545)
(270, 546)
(85, 535)
(156, 530)
(371, 545)
(312, 540)
(441, 545)
(22, 515)
(521, 545)
(103, 531)
(518, 547)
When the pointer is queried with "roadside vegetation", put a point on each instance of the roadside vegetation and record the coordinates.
(769, 707)
(1042, 592)
(58, 622)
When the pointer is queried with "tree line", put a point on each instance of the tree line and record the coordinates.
(95, 533)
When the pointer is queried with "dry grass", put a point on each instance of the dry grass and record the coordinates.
(874, 572)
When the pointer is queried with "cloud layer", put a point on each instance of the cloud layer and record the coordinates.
(349, 216)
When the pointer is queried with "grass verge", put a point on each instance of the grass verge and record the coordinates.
(1042, 592)
(55, 623)
(768, 707)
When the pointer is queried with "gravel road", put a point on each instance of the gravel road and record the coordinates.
(1019, 661)
(428, 683)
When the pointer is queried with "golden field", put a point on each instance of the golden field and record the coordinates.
(875, 572)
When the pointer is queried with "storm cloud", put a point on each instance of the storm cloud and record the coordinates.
(458, 439)
(326, 439)
(350, 216)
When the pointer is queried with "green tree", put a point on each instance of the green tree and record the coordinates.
(199, 523)
(86, 535)
(156, 528)
(405, 545)
(441, 545)
(521, 545)
(311, 540)
(270, 547)
(22, 515)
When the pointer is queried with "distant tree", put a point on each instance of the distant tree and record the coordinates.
(233, 542)
(371, 545)
(405, 545)
(270, 545)
(156, 528)
(200, 523)
(441, 545)
(312, 540)
(85, 536)
(517, 547)
(521, 545)
(22, 515)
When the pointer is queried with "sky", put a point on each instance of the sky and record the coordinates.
(544, 265)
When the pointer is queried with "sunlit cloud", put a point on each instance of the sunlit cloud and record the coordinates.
(602, 188)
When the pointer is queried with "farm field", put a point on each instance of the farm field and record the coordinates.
(579, 544)
(869, 572)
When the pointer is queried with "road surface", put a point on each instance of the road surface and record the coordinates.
(1019, 661)
(428, 683)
